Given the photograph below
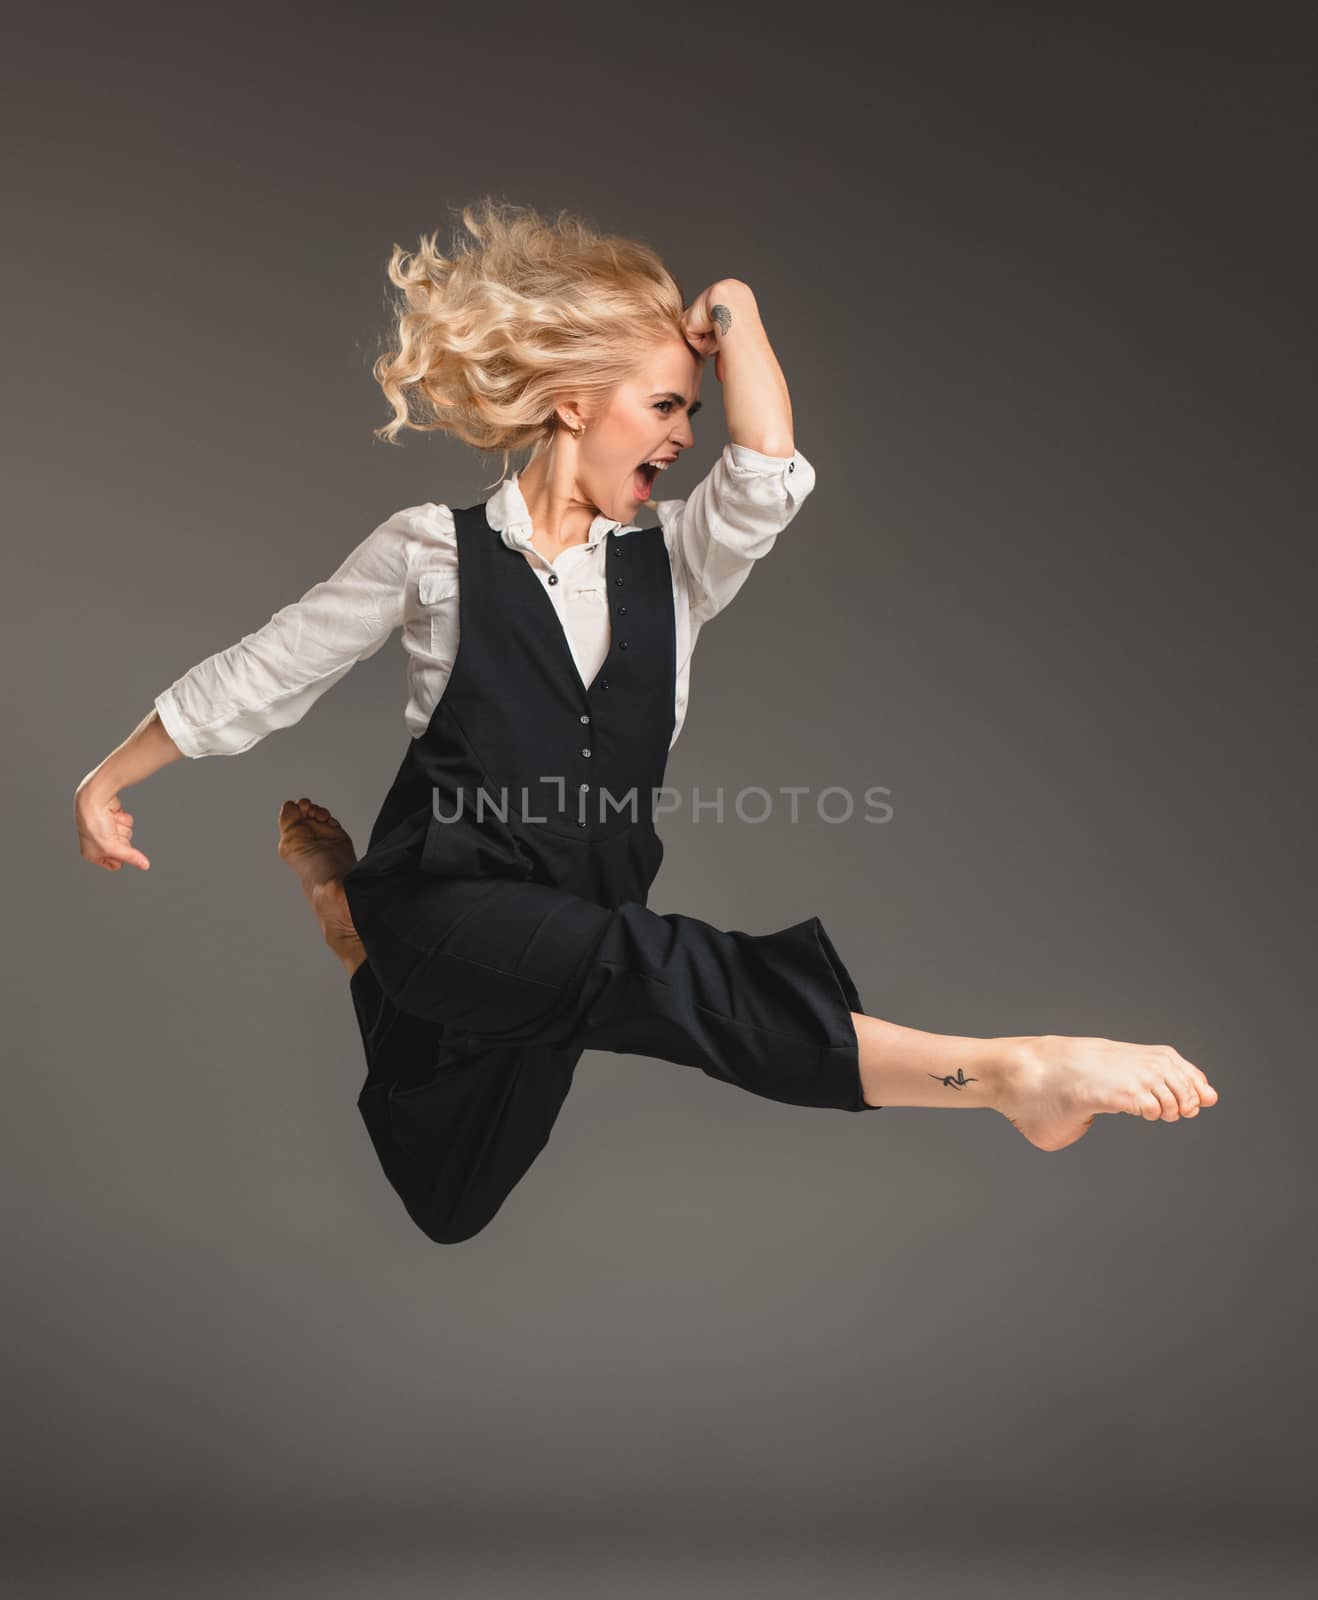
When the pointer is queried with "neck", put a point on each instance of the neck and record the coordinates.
(559, 515)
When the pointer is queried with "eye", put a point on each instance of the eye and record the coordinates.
(669, 403)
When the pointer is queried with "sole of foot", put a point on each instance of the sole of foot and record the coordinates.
(315, 845)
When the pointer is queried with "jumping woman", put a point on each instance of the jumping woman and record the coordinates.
(496, 925)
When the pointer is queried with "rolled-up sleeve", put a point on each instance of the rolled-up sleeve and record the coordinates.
(730, 520)
(271, 678)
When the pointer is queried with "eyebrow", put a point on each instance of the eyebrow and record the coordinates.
(672, 394)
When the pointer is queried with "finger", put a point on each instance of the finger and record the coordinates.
(118, 855)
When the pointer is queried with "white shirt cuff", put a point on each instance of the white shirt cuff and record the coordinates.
(794, 472)
(171, 720)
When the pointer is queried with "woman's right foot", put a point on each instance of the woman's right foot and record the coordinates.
(1057, 1085)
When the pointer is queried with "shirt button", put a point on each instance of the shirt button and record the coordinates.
(584, 787)
(585, 749)
(553, 577)
(791, 466)
(581, 822)
(585, 717)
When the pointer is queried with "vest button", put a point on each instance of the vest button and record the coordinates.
(581, 822)
(622, 644)
(553, 577)
(604, 686)
(585, 749)
(584, 717)
(618, 581)
(584, 787)
(617, 549)
(622, 611)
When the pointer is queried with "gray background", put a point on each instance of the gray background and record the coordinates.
(1040, 280)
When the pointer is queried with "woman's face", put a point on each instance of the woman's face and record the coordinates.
(647, 418)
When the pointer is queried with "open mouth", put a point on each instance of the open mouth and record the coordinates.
(643, 479)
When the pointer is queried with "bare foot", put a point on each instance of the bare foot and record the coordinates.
(1060, 1084)
(320, 852)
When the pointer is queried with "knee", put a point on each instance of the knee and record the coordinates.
(452, 1226)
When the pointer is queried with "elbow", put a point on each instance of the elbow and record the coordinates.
(782, 445)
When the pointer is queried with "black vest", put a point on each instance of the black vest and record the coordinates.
(524, 771)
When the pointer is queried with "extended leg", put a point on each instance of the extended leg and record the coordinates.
(777, 1014)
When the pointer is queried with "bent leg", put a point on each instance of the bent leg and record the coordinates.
(455, 1123)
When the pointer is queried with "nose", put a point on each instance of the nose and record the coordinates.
(683, 434)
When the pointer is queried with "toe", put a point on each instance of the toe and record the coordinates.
(1185, 1093)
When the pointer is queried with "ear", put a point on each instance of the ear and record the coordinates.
(570, 415)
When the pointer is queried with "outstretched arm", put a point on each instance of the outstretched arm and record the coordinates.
(269, 679)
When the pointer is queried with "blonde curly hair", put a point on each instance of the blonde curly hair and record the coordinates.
(489, 337)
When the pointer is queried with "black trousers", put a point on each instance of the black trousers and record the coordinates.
(479, 996)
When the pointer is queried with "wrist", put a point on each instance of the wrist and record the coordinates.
(739, 297)
(97, 785)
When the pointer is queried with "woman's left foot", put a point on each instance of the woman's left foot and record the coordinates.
(316, 847)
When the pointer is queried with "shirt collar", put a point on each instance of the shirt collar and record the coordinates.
(507, 515)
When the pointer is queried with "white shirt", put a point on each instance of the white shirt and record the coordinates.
(405, 574)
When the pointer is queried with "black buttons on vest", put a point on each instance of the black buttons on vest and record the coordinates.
(507, 713)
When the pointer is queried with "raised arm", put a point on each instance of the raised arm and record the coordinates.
(735, 513)
(269, 679)
(724, 321)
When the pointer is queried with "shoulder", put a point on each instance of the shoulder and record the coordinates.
(429, 535)
(427, 531)
(428, 526)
